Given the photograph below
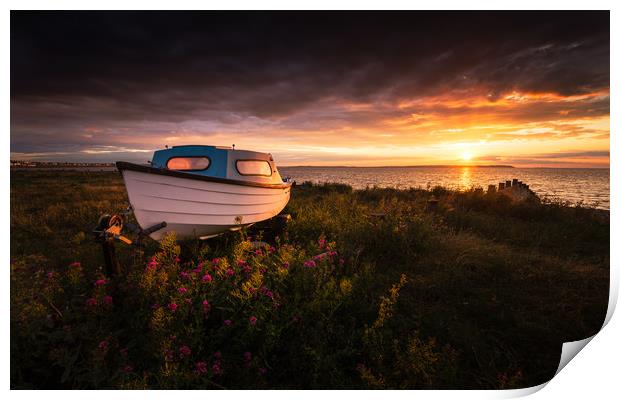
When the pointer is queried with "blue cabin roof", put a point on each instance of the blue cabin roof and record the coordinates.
(219, 162)
(218, 158)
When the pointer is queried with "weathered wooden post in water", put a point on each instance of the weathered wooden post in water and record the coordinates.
(508, 184)
(501, 185)
(515, 182)
(491, 189)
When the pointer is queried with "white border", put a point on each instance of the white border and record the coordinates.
(594, 371)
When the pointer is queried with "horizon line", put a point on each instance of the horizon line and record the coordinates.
(358, 166)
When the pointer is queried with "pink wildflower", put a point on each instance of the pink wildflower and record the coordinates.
(252, 320)
(207, 278)
(258, 252)
(227, 322)
(50, 275)
(216, 261)
(206, 306)
(173, 307)
(107, 300)
(247, 268)
(310, 264)
(341, 261)
(152, 265)
(168, 355)
(177, 260)
(200, 368)
(75, 264)
(91, 302)
(285, 265)
(100, 282)
(184, 274)
(217, 354)
(241, 263)
(185, 351)
(321, 243)
(262, 370)
(216, 368)
(128, 369)
(230, 272)
(103, 345)
(198, 268)
(247, 357)
(182, 290)
(269, 294)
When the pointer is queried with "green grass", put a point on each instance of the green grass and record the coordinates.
(481, 294)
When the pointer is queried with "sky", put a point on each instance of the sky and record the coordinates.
(527, 89)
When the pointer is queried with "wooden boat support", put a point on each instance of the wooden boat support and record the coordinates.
(110, 227)
(109, 230)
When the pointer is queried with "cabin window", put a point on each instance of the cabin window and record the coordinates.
(254, 167)
(188, 163)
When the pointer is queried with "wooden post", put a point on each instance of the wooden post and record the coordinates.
(515, 182)
(432, 204)
(508, 184)
(491, 189)
(112, 266)
(501, 185)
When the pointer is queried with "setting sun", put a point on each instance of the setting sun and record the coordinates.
(466, 156)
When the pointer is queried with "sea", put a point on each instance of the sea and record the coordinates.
(587, 186)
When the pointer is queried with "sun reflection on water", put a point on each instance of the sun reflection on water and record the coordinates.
(465, 178)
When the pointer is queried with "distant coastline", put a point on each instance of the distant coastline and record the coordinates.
(399, 166)
(58, 164)
(27, 164)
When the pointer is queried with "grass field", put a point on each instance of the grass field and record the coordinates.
(480, 294)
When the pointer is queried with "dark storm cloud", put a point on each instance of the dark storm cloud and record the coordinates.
(127, 81)
(269, 64)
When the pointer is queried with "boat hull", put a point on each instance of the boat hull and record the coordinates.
(199, 208)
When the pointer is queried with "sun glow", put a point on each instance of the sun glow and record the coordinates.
(467, 156)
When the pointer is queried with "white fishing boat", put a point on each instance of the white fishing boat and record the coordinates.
(204, 191)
